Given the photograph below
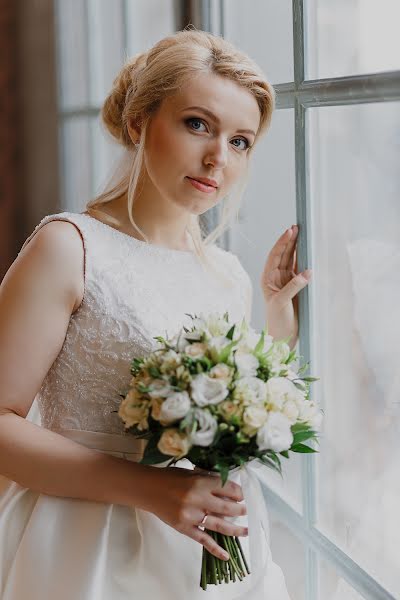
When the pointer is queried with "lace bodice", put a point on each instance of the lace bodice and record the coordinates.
(133, 291)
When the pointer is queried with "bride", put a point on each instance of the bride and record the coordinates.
(80, 517)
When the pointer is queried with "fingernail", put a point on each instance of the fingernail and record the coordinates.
(225, 555)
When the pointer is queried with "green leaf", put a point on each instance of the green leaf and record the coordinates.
(153, 456)
(266, 460)
(223, 470)
(284, 453)
(291, 357)
(230, 333)
(301, 436)
(310, 379)
(302, 448)
(225, 352)
(260, 344)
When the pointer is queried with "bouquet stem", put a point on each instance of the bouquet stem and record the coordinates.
(215, 570)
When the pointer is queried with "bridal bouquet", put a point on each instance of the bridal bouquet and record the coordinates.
(220, 395)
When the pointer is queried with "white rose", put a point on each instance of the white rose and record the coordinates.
(280, 390)
(250, 340)
(159, 388)
(250, 390)
(255, 416)
(206, 390)
(310, 413)
(291, 411)
(246, 363)
(174, 443)
(275, 434)
(280, 352)
(206, 430)
(174, 407)
(218, 343)
(196, 350)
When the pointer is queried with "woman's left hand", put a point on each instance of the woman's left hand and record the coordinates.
(280, 284)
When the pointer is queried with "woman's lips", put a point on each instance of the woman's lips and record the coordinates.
(203, 187)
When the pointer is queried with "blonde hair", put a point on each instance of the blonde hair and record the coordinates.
(144, 81)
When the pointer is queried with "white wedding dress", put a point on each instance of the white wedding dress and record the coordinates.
(72, 549)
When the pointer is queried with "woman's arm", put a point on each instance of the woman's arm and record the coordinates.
(51, 464)
(39, 293)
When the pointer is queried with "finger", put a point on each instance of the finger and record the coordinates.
(226, 508)
(229, 490)
(209, 543)
(294, 286)
(275, 256)
(216, 523)
(287, 256)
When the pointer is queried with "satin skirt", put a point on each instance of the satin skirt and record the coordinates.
(54, 548)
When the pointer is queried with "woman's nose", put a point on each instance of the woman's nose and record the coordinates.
(217, 154)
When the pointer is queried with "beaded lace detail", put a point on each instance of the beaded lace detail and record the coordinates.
(133, 291)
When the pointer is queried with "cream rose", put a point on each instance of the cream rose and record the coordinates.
(170, 360)
(221, 371)
(174, 443)
(229, 409)
(196, 350)
(156, 404)
(133, 414)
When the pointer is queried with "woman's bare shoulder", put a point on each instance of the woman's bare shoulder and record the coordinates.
(56, 248)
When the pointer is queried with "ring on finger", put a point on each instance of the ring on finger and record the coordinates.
(201, 525)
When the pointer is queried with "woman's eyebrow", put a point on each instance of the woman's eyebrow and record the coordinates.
(214, 117)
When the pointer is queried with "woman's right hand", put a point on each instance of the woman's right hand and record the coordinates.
(187, 495)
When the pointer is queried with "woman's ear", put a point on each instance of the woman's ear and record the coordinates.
(134, 131)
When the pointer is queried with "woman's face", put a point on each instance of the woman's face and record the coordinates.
(210, 141)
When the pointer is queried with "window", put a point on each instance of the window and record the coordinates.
(331, 164)
(94, 38)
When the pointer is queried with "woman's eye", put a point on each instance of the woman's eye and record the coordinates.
(194, 120)
(246, 143)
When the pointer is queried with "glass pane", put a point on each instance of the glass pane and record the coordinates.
(351, 37)
(333, 587)
(106, 153)
(265, 31)
(269, 202)
(72, 53)
(354, 190)
(147, 22)
(288, 553)
(269, 207)
(106, 46)
(76, 170)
